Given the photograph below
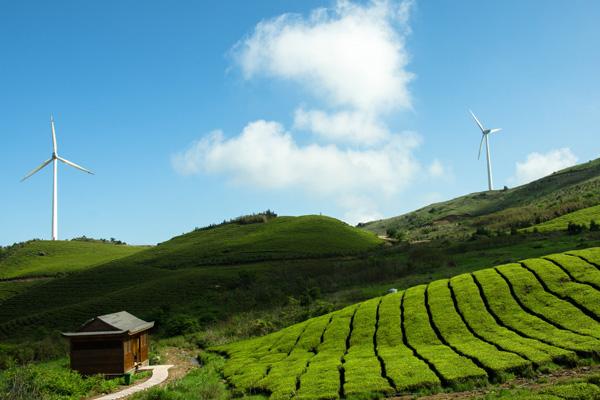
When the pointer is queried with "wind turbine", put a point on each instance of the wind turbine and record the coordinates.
(484, 136)
(54, 159)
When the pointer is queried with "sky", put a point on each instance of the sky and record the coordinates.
(192, 112)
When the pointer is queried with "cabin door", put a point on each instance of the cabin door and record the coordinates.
(137, 349)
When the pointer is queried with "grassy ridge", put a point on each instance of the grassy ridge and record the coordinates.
(48, 258)
(278, 238)
(580, 217)
(555, 195)
(461, 332)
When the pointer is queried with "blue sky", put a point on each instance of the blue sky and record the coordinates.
(191, 113)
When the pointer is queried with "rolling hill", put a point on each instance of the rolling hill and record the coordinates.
(562, 192)
(454, 333)
(208, 273)
(581, 217)
(49, 258)
(276, 239)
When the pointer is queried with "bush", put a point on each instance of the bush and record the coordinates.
(49, 381)
(574, 229)
(181, 324)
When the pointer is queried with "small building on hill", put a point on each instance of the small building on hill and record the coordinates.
(110, 344)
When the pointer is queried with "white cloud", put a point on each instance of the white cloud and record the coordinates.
(265, 155)
(352, 59)
(360, 208)
(345, 126)
(352, 55)
(436, 169)
(539, 165)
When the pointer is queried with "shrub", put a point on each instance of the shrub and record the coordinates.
(574, 228)
(181, 324)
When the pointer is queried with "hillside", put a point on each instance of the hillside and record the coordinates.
(456, 333)
(581, 217)
(562, 192)
(267, 262)
(49, 258)
(278, 238)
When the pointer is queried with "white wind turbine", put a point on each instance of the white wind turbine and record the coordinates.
(484, 136)
(54, 159)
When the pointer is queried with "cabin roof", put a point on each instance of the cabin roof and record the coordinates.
(111, 324)
(124, 321)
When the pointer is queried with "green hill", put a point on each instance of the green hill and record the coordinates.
(278, 238)
(581, 217)
(48, 258)
(266, 263)
(560, 193)
(452, 333)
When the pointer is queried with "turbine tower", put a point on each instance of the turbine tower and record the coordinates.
(54, 160)
(484, 136)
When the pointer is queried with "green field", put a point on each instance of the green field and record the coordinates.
(250, 298)
(555, 195)
(580, 217)
(486, 326)
(277, 239)
(48, 258)
(186, 273)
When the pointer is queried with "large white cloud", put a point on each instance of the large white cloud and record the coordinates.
(351, 61)
(351, 55)
(539, 165)
(265, 155)
(343, 126)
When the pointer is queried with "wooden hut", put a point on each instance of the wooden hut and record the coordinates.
(110, 344)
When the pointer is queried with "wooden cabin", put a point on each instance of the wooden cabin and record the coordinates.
(110, 344)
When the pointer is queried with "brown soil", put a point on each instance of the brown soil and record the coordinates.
(181, 359)
(520, 383)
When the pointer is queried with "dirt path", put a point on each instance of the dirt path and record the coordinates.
(520, 383)
(183, 361)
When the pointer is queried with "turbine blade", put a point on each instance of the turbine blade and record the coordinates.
(476, 120)
(480, 146)
(72, 164)
(495, 130)
(37, 169)
(53, 134)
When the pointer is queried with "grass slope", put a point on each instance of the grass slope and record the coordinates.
(562, 192)
(458, 333)
(278, 238)
(178, 275)
(580, 217)
(48, 258)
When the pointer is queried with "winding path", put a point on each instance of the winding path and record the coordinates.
(159, 374)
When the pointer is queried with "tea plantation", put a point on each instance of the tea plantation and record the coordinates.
(581, 217)
(486, 326)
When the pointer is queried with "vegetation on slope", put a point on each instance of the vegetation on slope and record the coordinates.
(49, 258)
(532, 321)
(500, 210)
(581, 218)
(54, 380)
(278, 238)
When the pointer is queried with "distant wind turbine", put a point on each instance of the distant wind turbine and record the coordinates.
(55, 157)
(484, 136)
